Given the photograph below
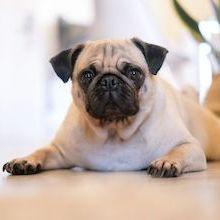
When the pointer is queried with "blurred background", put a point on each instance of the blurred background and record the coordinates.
(33, 101)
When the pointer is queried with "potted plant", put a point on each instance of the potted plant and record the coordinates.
(207, 32)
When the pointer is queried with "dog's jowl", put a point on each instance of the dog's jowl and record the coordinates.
(123, 116)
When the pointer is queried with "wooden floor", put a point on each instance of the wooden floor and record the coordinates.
(79, 195)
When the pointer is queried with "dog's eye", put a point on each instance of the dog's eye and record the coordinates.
(86, 77)
(133, 73)
(88, 74)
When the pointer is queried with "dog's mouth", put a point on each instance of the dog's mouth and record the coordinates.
(115, 105)
(111, 112)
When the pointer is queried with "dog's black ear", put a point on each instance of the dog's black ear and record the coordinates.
(63, 63)
(153, 54)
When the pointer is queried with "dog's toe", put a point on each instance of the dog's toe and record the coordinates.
(5, 167)
(8, 166)
(32, 169)
(164, 168)
(21, 167)
(17, 169)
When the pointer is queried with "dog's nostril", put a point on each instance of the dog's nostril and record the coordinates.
(104, 82)
(114, 82)
(109, 82)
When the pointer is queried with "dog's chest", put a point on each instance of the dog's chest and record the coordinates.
(115, 154)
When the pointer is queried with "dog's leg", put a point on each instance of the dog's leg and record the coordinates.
(49, 157)
(183, 158)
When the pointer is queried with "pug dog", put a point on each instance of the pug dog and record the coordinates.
(123, 117)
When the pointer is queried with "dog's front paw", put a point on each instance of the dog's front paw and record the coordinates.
(22, 167)
(164, 168)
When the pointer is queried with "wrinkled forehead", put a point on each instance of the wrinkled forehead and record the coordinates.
(109, 55)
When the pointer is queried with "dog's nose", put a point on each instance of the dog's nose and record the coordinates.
(109, 82)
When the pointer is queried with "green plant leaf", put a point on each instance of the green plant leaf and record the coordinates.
(216, 10)
(190, 22)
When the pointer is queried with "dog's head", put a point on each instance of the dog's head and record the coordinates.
(109, 75)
